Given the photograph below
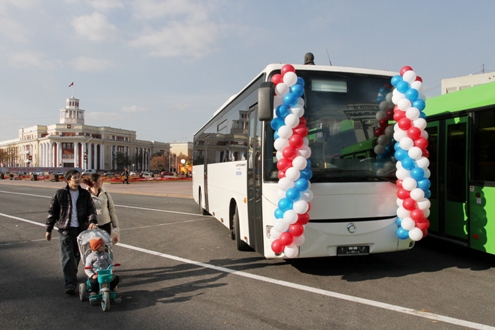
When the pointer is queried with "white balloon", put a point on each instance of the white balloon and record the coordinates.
(406, 143)
(427, 173)
(417, 194)
(285, 132)
(416, 234)
(419, 123)
(290, 216)
(281, 89)
(292, 173)
(277, 100)
(383, 140)
(404, 104)
(426, 212)
(423, 204)
(417, 85)
(415, 153)
(299, 240)
(280, 225)
(285, 184)
(402, 174)
(399, 202)
(399, 135)
(409, 184)
(398, 165)
(408, 223)
(299, 162)
(280, 194)
(424, 134)
(397, 97)
(305, 151)
(389, 166)
(378, 149)
(280, 143)
(409, 76)
(396, 92)
(298, 110)
(422, 96)
(290, 78)
(291, 120)
(291, 251)
(380, 172)
(307, 195)
(423, 162)
(380, 114)
(412, 113)
(300, 101)
(306, 141)
(402, 212)
(300, 206)
(389, 97)
(274, 234)
(280, 155)
(384, 106)
(389, 131)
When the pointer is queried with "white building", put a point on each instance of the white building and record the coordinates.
(450, 85)
(71, 143)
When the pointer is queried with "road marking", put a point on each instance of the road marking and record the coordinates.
(363, 301)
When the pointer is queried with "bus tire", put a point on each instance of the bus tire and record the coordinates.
(202, 211)
(241, 245)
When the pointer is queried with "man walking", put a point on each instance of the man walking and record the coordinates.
(126, 175)
(73, 211)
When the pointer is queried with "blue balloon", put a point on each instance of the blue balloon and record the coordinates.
(378, 165)
(398, 221)
(427, 193)
(297, 90)
(395, 80)
(282, 111)
(285, 204)
(300, 81)
(396, 146)
(403, 86)
(384, 90)
(417, 173)
(408, 163)
(424, 184)
(277, 123)
(293, 194)
(422, 115)
(380, 99)
(290, 99)
(279, 214)
(275, 135)
(301, 184)
(400, 154)
(387, 149)
(308, 163)
(412, 94)
(402, 233)
(306, 173)
(420, 104)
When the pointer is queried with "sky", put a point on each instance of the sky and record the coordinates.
(162, 68)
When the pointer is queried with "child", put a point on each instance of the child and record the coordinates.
(101, 259)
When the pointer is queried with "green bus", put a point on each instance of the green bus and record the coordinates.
(461, 129)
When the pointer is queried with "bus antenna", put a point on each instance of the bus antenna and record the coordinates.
(328, 57)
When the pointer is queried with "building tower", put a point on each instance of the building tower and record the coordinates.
(71, 114)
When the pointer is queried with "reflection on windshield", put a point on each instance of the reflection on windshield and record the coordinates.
(340, 110)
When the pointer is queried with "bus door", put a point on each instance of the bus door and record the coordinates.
(448, 141)
(254, 181)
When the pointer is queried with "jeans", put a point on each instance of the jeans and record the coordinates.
(70, 256)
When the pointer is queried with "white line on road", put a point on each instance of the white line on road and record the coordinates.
(363, 301)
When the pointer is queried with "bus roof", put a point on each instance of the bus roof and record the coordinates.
(274, 67)
(470, 98)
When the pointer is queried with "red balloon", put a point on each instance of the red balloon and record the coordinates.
(286, 238)
(409, 204)
(425, 233)
(399, 114)
(302, 121)
(302, 219)
(378, 131)
(289, 153)
(418, 78)
(405, 123)
(296, 141)
(309, 207)
(424, 224)
(426, 153)
(287, 68)
(414, 133)
(403, 193)
(390, 114)
(421, 143)
(277, 79)
(277, 246)
(283, 164)
(383, 122)
(417, 215)
(404, 69)
(296, 229)
(301, 130)
(398, 183)
(281, 174)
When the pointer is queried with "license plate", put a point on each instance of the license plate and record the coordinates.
(353, 250)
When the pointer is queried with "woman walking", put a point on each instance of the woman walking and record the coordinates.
(105, 209)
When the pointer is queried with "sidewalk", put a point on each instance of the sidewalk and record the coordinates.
(153, 188)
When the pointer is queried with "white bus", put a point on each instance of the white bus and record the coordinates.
(235, 173)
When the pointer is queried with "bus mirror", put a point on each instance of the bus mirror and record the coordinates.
(265, 101)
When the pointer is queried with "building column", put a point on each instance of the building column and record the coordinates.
(83, 153)
(102, 156)
(59, 160)
(90, 156)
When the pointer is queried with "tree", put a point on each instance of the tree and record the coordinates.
(122, 160)
(159, 163)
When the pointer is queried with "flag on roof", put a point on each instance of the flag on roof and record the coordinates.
(71, 84)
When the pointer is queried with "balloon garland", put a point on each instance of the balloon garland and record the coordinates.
(294, 167)
(385, 142)
(411, 155)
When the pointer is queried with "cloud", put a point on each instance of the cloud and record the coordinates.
(134, 109)
(9, 27)
(104, 5)
(83, 63)
(149, 9)
(30, 59)
(94, 27)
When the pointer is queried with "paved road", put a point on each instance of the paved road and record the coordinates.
(180, 270)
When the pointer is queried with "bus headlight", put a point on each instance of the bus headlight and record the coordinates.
(268, 229)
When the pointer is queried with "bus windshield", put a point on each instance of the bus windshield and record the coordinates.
(340, 110)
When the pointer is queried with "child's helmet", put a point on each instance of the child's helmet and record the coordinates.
(96, 243)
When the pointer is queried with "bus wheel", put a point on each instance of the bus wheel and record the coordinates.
(241, 245)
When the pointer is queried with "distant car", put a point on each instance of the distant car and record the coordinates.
(147, 175)
(167, 173)
(132, 173)
(109, 174)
